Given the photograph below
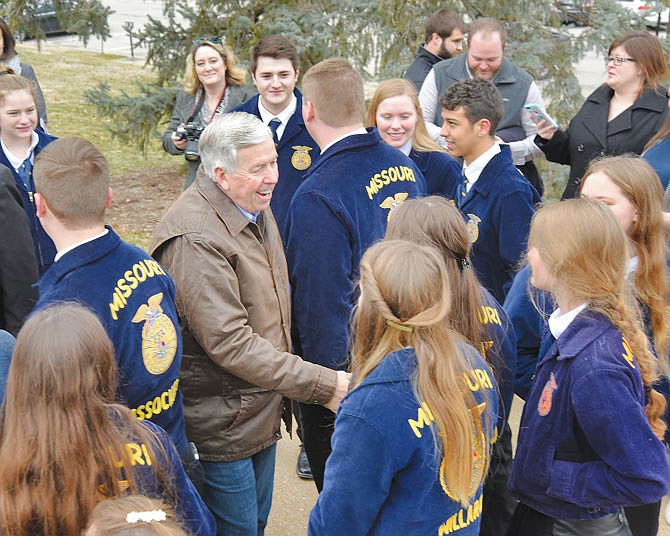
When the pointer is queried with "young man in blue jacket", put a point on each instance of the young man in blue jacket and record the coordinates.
(275, 71)
(128, 290)
(340, 209)
(495, 199)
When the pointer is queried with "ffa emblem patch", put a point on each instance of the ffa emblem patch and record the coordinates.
(478, 452)
(301, 159)
(392, 202)
(627, 353)
(473, 228)
(544, 404)
(159, 337)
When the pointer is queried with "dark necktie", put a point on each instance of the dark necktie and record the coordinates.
(274, 125)
(25, 172)
(462, 190)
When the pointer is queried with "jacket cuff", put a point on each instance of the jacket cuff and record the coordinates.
(325, 387)
(561, 484)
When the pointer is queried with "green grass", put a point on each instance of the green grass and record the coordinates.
(64, 75)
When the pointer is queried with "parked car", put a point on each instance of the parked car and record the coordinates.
(577, 12)
(43, 12)
(648, 11)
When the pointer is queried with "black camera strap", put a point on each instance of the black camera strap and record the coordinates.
(219, 108)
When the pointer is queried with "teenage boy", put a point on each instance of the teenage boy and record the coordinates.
(495, 199)
(340, 209)
(275, 71)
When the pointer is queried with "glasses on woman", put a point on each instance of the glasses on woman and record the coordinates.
(617, 60)
(212, 40)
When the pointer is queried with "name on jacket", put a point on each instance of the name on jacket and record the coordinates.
(138, 273)
(162, 402)
(463, 518)
(387, 176)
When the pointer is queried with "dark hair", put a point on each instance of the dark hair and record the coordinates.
(487, 26)
(443, 23)
(277, 47)
(480, 99)
(647, 52)
(8, 43)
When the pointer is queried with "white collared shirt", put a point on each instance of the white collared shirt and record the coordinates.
(17, 161)
(559, 322)
(283, 116)
(361, 130)
(74, 246)
(631, 266)
(473, 170)
(406, 148)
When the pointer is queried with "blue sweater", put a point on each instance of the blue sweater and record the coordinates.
(296, 151)
(191, 511)
(340, 209)
(45, 250)
(585, 446)
(134, 298)
(391, 483)
(441, 171)
(498, 209)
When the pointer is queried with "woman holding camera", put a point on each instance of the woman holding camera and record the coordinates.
(214, 85)
(619, 117)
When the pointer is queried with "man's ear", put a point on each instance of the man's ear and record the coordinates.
(221, 179)
(41, 206)
(307, 110)
(109, 198)
(484, 127)
(435, 39)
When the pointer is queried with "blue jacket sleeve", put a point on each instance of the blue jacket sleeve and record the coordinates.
(516, 211)
(504, 364)
(633, 469)
(528, 324)
(191, 511)
(320, 260)
(355, 486)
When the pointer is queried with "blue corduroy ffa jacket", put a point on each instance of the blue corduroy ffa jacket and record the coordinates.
(585, 446)
(340, 209)
(134, 299)
(383, 476)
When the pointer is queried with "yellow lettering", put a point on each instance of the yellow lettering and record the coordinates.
(142, 276)
(484, 379)
(128, 274)
(424, 418)
(146, 454)
(628, 353)
(457, 521)
(116, 305)
(123, 288)
(412, 178)
(135, 453)
(385, 176)
(393, 174)
(371, 189)
(473, 386)
(162, 402)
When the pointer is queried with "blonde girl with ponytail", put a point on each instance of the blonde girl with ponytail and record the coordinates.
(591, 430)
(412, 440)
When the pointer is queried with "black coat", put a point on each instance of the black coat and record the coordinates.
(590, 135)
(18, 267)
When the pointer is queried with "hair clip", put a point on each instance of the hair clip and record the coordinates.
(465, 263)
(212, 40)
(395, 325)
(648, 388)
(146, 516)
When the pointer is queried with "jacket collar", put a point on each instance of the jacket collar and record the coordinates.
(489, 175)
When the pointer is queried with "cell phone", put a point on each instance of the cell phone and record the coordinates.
(539, 114)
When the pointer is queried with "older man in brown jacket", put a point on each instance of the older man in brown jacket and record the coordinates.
(220, 243)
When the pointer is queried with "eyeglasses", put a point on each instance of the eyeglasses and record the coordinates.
(617, 60)
(212, 40)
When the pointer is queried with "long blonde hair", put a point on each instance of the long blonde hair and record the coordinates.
(395, 87)
(639, 183)
(586, 250)
(405, 284)
(62, 439)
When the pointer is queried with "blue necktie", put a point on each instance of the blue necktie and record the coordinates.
(274, 125)
(462, 190)
(25, 172)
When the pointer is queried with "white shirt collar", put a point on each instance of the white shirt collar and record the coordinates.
(631, 266)
(283, 116)
(406, 148)
(473, 170)
(361, 130)
(17, 161)
(74, 246)
(559, 322)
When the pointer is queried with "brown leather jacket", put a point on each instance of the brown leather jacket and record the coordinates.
(234, 309)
